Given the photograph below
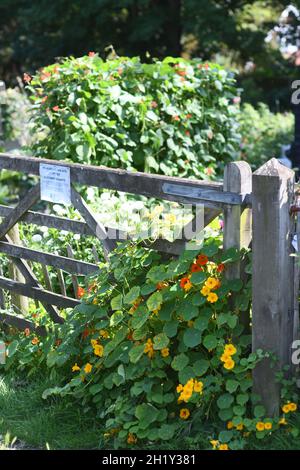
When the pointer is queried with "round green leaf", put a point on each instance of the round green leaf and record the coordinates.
(210, 341)
(180, 362)
(192, 337)
(225, 401)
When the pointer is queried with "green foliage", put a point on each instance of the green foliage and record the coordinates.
(263, 133)
(172, 117)
(154, 373)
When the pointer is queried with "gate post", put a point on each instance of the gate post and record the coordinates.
(272, 282)
(237, 224)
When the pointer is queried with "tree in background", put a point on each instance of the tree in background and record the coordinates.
(33, 34)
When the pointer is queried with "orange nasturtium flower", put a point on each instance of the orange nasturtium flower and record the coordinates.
(195, 268)
(185, 284)
(162, 285)
(80, 292)
(131, 439)
(27, 332)
(35, 340)
(221, 267)
(202, 260)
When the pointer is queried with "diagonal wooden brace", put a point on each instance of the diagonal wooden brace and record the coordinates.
(97, 228)
(32, 281)
(28, 201)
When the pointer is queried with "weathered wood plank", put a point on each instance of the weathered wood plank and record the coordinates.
(131, 182)
(2, 297)
(237, 178)
(74, 278)
(61, 282)
(296, 279)
(237, 224)
(37, 293)
(97, 228)
(51, 221)
(61, 262)
(95, 254)
(22, 323)
(47, 278)
(272, 279)
(208, 195)
(26, 202)
(32, 281)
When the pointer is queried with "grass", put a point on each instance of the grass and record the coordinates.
(53, 424)
(27, 419)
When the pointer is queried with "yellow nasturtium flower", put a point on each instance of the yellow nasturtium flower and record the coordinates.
(104, 334)
(98, 350)
(225, 357)
(230, 349)
(223, 447)
(212, 282)
(293, 406)
(260, 426)
(75, 368)
(229, 364)
(282, 421)
(214, 443)
(184, 413)
(165, 352)
(198, 386)
(212, 297)
(88, 368)
(205, 291)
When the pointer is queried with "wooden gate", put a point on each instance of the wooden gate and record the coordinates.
(216, 198)
(265, 197)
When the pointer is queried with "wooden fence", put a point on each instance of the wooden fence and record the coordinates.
(257, 208)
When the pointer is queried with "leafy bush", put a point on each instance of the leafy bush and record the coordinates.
(158, 350)
(172, 117)
(263, 133)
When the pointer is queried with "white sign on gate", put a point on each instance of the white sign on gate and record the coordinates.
(55, 184)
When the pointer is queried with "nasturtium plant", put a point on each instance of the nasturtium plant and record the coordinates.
(175, 116)
(153, 363)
